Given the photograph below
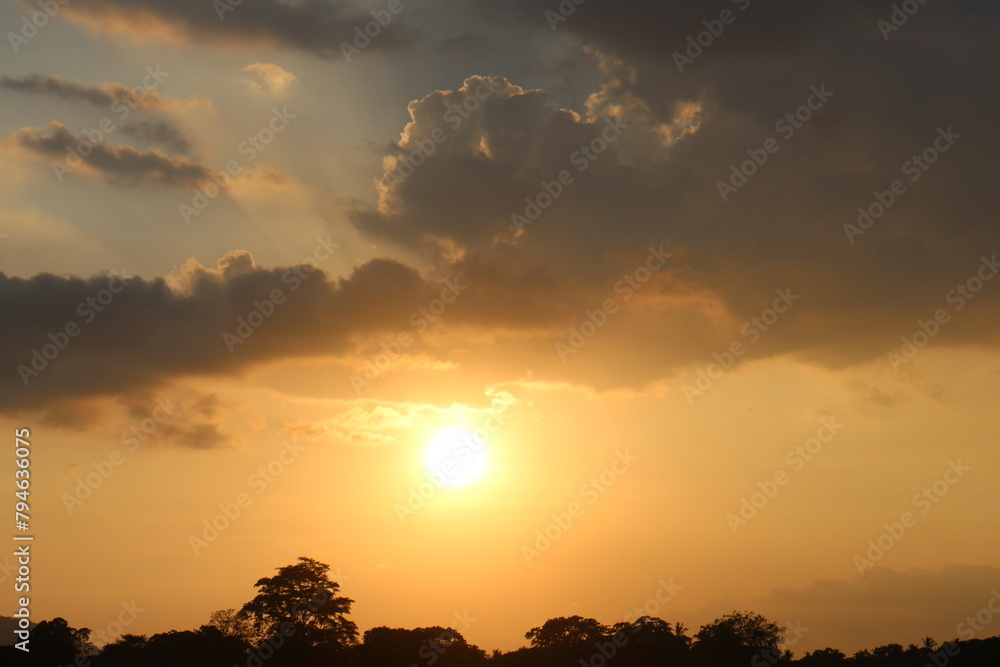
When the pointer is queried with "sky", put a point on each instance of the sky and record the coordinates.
(507, 310)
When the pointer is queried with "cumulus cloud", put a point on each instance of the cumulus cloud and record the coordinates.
(120, 164)
(268, 78)
(782, 227)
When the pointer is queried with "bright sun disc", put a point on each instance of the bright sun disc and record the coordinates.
(455, 458)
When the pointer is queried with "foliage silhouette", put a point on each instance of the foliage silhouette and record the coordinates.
(297, 619)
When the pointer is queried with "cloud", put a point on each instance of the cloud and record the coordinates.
(102, 96)
(374, 423)
(182, 417)
(156, 131)
(119, 99)
(315, 26)
(151, 332)
(120, 164)
(370, 425)
(783, 227)
(268, 79)
(465, 45)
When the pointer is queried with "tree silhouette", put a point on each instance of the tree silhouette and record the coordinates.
(738, 637)
(397, 647)
(233, 623)
(55, 642)
(652, 641)
(296, 619)
(300, 604)
(824, 657)
(572, 632)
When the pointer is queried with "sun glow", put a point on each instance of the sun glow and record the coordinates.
(454, 457)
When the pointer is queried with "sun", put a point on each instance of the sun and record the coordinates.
(455, 457)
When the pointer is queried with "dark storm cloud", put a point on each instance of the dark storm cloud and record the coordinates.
(120, 164)
(317, 26)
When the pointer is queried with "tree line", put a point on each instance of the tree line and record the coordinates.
(298, 619)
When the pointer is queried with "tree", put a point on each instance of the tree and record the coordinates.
(652, 641)
(824, 657)
(125, 651)
(55, 642)
(301, 604)
(738, 637)
(232, 623)
(398, 647)
(569, 632)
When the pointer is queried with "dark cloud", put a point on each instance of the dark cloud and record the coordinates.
(120, 164)
(784, 228)
(113, 97)
(149, 332)
(158, 132)
(102, 96)
(179, 418)
(317, 26)
(465, 45)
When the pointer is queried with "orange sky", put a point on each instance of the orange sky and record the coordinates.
(713, 335)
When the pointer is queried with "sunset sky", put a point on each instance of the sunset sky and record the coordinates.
(703, 291)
